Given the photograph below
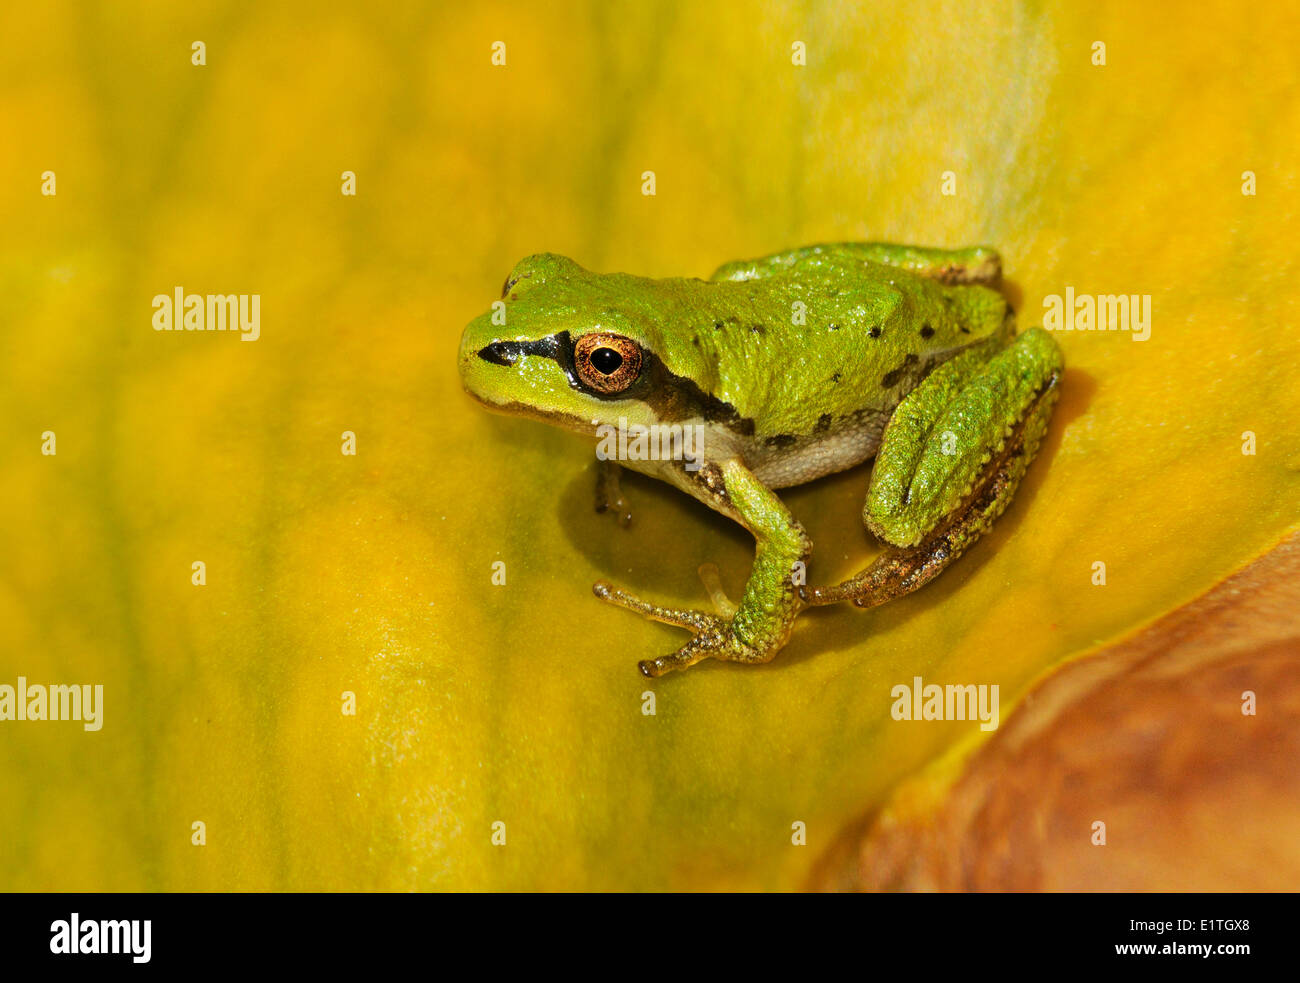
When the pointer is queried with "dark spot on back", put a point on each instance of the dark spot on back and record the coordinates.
(891, 378)
(835, 377)
(926, 331)
(834, 327)
(823, 423)
(781, 440)
(875, 332)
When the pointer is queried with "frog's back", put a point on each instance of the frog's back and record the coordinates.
(824, 348)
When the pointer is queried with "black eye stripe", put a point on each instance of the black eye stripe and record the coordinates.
(499, 353)
(560, 348)
(507, 352)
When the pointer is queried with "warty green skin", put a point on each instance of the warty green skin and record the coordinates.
(795, 365)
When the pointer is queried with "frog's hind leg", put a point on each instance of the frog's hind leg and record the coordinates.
(975, 264)
(911, 504)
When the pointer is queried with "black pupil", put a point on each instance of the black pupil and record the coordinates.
(606, 360)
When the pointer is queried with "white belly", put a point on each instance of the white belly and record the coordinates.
(815, 456)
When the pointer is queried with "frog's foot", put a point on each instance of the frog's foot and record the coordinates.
(901, 570)
(714, 637)
(609, 492)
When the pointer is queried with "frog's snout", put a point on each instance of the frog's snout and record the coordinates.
(485, 363)
(469, 361)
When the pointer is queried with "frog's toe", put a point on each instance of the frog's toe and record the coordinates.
(618, 510)
(713, 637)
(654, 668)
(711, 642)
(712, 581)
(695, 621)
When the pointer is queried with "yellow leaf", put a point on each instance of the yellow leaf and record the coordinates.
(372, 574)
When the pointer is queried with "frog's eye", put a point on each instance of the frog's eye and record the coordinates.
(608, 363)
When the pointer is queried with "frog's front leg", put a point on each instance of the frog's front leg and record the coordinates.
(951, 457)
(763, 620)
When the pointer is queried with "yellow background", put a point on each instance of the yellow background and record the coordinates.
(327, 573)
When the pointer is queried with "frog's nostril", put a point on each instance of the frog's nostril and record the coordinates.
(499, 353)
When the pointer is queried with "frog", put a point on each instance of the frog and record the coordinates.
(789, 367)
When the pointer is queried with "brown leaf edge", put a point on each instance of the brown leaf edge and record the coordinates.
(1147, 736)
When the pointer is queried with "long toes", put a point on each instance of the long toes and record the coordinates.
(615, 595)
(694, 621)
(702, 646)
(710, 630)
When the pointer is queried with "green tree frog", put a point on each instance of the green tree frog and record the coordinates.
(788, 367)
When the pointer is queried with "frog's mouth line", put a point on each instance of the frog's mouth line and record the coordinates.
(567, 421)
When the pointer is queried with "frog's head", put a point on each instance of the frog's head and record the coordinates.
(565, 345)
